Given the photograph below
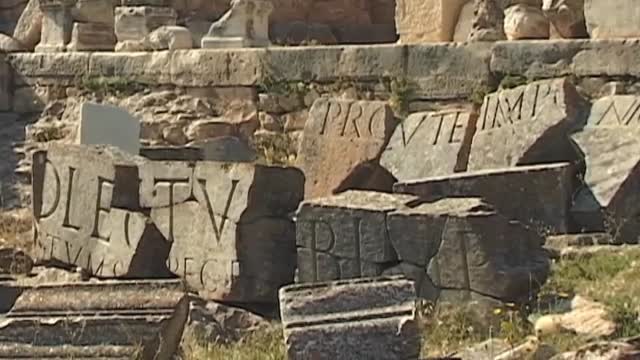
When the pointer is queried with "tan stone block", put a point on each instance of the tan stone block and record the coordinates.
(427, 20)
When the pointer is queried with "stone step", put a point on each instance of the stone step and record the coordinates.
(101, 352)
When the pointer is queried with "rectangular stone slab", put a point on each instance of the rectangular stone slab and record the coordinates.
(233, 240)
(344, 236)
(111, 317)
(85, 202)
(527, 125)
(538, 195)
(339, 136)
(357, 319)
(466, 247)
(429, 144)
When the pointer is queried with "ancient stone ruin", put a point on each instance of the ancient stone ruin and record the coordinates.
(333, 165)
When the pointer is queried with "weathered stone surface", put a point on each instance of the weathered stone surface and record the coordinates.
(169, 38)
(136, 22)
(91, 37)
(525, 22)
(468, 249)
(234, 241)
(527, 125)
(609, 22)
(465, 23)
(488, 21)
(108, 125)
(165, 183)
(339, 136)
(427, 21)
(46, 316)
(56, 26)
(430, 144)
(246, 24)
(358, 319)
(566, 17)
(608, 200)
(547, 191)
(9, 44)
(93, 11)
(13, 261)
(226, 148)
(344, 236)
(6, 85)
(28, 28)
(83, 202)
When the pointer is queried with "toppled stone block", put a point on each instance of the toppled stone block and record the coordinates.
(233, 240)
(419, 21)
(430, 144)
(56, 25)
(9, 44)
(169, 38)
(344, 236)
(469, 250)
(92, 37)
(547, 191)
(609, 22)
(134, 23)
(359, 319)
(527, 125)
(84, 202)
(28, 29)
(608, 199)
(97, 318)
(246, 24)
(339, 136)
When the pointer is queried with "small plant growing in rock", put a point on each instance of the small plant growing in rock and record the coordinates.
(401, 93)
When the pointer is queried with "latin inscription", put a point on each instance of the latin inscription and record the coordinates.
(436, 129)
(353, 119)
(617, 111)
(207, 273)
(509, 107)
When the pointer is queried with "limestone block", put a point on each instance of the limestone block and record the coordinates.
(169, 38)
(53, 319)
(467, 248)
(566, 17)
(246, 24)
(605, 21)
(56, 26)
(547, 191)
(525, 22)
(92, 37)
(93, 11)
(108, 125)
(29, 26)
(136, 22)
(234, 241)
(344, 236)
(429, 144)
(226, 148)
(9, 44)
(608, 200)
(165, 183)
(419, 21)
(465, 23)
(488, 21)
(358, 319)
(339, 136)
(527, 125)
(84, 203)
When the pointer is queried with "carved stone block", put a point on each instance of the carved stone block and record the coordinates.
(527, 125)
(246, 24)
(92, 37)
(429, 144)
(344, 236)
(135, 22)
(339, 137)
(84, 202)
(233, 240)
(468, 249)
(419, 21)
(56, 26)
(608, 199)
(359, 319)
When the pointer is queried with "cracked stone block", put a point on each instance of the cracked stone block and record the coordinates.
(134, 23)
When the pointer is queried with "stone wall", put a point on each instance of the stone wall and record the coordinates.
(261, 94)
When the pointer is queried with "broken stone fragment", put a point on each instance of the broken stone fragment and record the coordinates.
(546, 189)
(136, 22)
(85, 202)
(527, 125)
(57, 25)
(525, 22)
(607, 199)
(419, 21)
(344, 236)
(339, 136)
(91, 37)
(233, 240)
(469, 249)
(610, 22)
(357, 319)
(29, 26)
(566, 17)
